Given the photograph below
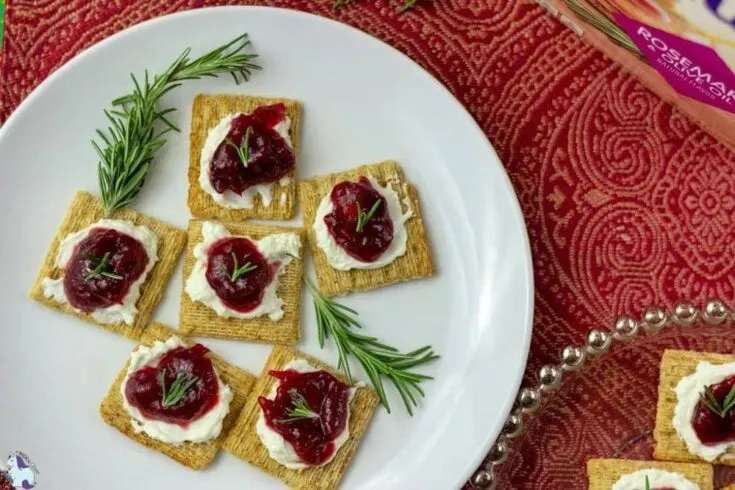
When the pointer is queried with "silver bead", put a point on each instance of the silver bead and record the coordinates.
(529, 400)
(598, 342)
(513, 425)
(498, 452)
(685, 314)
(572, 358)
(550, 377)
(654, 319)
(625, 329)
(483, 480)
(715, 312)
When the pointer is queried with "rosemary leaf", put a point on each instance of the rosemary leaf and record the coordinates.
(299, 410)
(132, 139)
(177, 390)
(407, 4)
(340, 3)
(378, 360)
(363, 218)
(708, 399)
(604, 24)
(237, 272)
(100, 268)
(729, 401)
(243, 149)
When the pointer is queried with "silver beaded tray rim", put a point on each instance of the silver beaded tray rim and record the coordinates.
(624, 330)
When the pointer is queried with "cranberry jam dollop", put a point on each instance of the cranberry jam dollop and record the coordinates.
(270, 157)
(144, 391)
(312, 438)
(368, 244)
(709, 426)
(126, 261)
(242, 292)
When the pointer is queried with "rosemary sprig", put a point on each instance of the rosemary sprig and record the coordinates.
(300, 410)
(377, 359)
(132, 139)
(237, 272)
(99, 269)
(603, 23)
(407, 4)
(648, 483)
(709, 400)
(243, 151)
(178, 389)
(363, 218)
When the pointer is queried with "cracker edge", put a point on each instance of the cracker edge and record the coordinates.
(603, 473)
(667, 444)
(329, 278)
(174, 241)
(202, 205)
(114, 414)
(243, 438)
(256, 326)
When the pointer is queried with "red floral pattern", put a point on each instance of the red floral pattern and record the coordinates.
(627, 202)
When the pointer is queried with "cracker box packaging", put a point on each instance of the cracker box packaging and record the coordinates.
(683, 50)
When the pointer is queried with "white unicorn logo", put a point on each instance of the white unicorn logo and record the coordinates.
(20, 471)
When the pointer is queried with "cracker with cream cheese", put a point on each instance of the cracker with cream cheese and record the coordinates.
(243, 441)
(207, 112)
(85, 210)
(603, 473)
(198, 319)
(675, 365)
(194, 455)
(416, 263)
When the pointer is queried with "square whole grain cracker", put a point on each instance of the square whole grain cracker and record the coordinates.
(86, 209)
(675, 365)
(200, 320)
(416, 263)
(603, 473)
(193, 455)
(243, 441)
(207, 111)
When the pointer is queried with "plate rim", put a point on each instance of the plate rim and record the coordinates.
(475, 458)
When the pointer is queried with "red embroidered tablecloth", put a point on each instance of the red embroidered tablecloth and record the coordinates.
(627, 202)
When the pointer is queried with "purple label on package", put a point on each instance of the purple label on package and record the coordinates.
(692, 69)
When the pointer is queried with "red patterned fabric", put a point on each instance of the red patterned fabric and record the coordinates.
(627, 202)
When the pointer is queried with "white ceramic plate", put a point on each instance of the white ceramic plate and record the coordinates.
(363, 102)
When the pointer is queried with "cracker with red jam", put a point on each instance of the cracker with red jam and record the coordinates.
(675, 366)
(245, 443)
(604, 473)
(238, 278)
(194, 455)
(371, 227)
(240, 164)
(96, 281)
